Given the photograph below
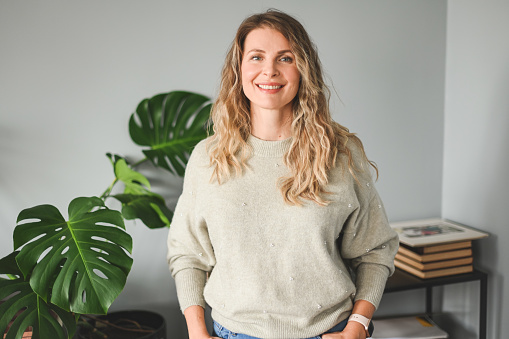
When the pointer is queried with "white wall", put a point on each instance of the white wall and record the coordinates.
(476, 150)
(71, 73)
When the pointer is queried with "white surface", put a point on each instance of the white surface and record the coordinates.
(406, 328)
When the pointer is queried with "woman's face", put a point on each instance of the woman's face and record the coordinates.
(270, 78)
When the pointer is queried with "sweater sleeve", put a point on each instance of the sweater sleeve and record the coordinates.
(190, 253)
(369, 244)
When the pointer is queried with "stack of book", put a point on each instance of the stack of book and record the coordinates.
(432, 248)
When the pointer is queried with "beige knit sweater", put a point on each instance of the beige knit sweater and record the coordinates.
(275, 270)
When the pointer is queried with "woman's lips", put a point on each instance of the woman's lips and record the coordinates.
(269, 88)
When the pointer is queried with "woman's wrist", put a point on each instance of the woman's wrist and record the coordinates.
(195, 318)
(360, 319)
(361, 315)
(357, 329)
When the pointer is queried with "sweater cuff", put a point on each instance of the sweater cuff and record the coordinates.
(370, 282)
(190, 284)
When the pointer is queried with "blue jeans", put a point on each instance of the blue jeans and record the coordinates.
(221, 332)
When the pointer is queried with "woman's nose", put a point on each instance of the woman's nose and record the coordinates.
(270, 69)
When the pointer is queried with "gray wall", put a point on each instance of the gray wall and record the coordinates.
(476, 150)
(71, 73)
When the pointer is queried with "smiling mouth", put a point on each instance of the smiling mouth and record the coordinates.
(269, 87)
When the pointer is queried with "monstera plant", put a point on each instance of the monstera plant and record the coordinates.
(64, 267)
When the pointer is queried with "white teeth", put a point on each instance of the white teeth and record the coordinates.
(269, 87)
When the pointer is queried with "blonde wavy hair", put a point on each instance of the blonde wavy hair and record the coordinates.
(317, 139)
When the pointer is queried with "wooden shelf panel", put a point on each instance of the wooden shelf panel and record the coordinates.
(402, 281)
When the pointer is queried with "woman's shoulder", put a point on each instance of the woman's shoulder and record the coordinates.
(199, 157)
(353, 148)
(200, 150)
(352, 157)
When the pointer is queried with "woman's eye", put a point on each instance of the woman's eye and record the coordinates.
(286, 59)
(256, 57)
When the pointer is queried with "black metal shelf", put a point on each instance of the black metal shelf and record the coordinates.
(403, 281)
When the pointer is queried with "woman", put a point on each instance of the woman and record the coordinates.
(279, 228)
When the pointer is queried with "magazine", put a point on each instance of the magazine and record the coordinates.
(427, 232)
(409, 327)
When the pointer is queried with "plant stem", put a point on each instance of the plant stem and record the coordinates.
(139, 163)
(108, 190)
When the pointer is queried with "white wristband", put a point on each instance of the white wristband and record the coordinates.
(360, 319)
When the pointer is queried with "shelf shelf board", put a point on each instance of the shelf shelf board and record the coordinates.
(402, 281)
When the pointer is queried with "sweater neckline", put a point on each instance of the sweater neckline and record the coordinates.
(266, 148)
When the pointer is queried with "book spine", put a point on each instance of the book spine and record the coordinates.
(434, 273)
(435, 256)
(445, 247)
(435, 264)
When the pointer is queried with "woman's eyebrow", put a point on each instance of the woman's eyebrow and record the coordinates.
(257, 51)
(262, 51)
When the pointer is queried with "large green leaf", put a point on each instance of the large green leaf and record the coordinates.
(138, 202)
(31, 310)
(150, 209)
(81, 264)
(135, 182)
(170, 124)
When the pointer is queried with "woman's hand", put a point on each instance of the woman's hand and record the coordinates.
(353, 330)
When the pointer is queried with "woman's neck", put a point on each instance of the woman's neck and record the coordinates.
(271, 124)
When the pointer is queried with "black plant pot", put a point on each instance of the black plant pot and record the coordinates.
(123, 325)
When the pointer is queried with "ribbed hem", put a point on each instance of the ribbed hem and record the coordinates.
(268, 327)
(371, 279)
(266, 148)
(190, 284)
